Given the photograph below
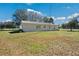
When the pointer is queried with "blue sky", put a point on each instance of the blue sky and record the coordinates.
(60, 11)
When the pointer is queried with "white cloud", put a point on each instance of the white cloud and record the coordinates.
(60, 18)
(30, 10)
(66, 21)
(75, 15)
(70, 17)
(8, 20)
(35, 11)
(53, 17)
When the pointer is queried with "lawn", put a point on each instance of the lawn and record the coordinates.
(39, 43)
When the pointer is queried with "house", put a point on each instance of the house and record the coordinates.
(37, 26)
(36, 21)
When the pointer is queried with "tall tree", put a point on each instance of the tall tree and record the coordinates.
(51, 20)
(73, 24)
(48, 20)
(45, 19)
(19, 15)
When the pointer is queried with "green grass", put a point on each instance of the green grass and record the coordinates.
(39, 43)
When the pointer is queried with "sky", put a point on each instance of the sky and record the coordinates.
(61, 12)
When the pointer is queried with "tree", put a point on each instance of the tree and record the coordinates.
(73, 24)
(65, 26)
(2, 26)
(9, 25)
(51, 20)
(19, 15)
(45, 19)
(48, 20)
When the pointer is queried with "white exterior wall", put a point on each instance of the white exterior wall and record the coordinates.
(27, 26)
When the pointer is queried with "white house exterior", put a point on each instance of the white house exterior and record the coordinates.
(35, 22)
(37, 26)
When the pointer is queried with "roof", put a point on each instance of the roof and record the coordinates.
(32, 22)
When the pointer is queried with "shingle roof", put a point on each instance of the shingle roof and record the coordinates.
(32, 22)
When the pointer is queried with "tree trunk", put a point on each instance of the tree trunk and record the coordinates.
(70, 29)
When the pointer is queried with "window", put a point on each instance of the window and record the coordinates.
(49, 27)
(44, 26)
(38, 26)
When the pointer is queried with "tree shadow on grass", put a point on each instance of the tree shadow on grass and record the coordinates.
(16, 31)
(20, 31)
